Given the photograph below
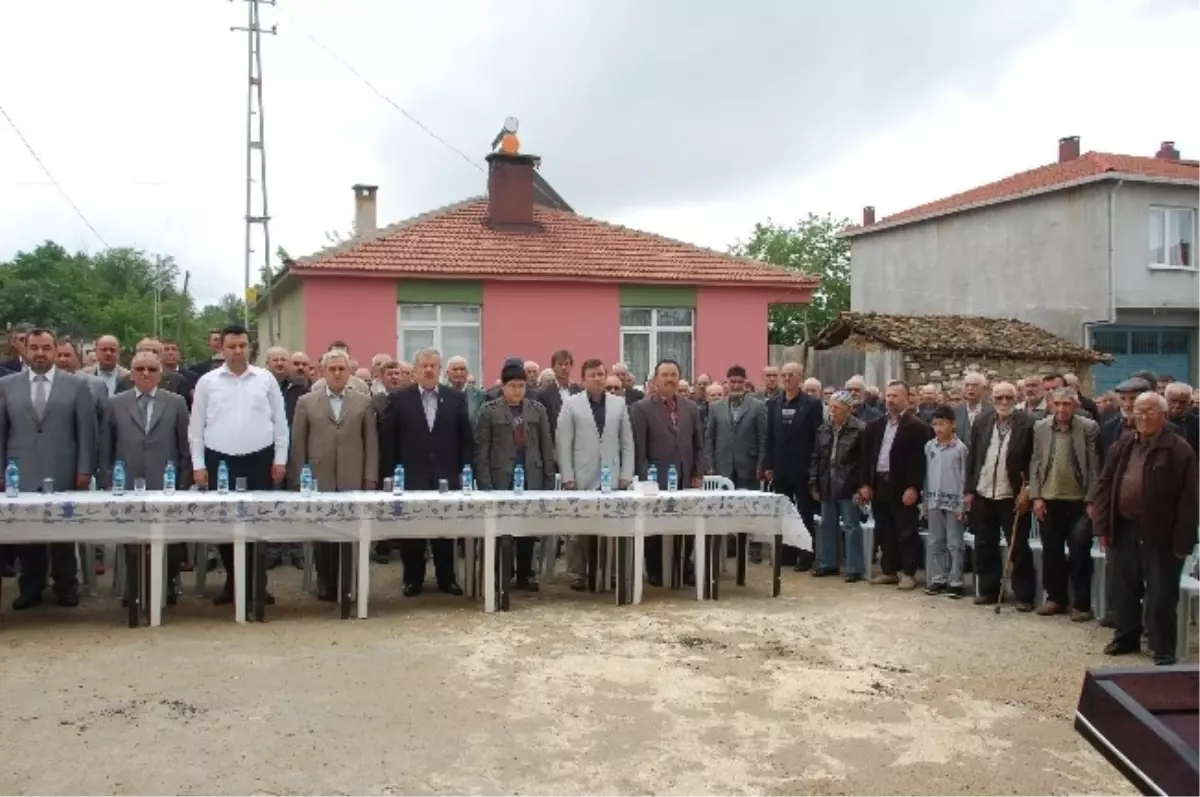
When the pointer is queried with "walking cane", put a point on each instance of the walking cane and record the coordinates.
(1012, 543)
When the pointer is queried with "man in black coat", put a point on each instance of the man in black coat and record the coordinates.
(894, 474)
(793, 418)
(1180, 415)
(553, 394)
(427, 429)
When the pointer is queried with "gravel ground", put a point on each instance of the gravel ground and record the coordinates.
(830, 689)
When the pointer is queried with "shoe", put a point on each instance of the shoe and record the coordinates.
(223, 598)
(884, 580)
(67, 596)
(1082, 616)
(296, 557)
(450, 589)
(853, 578)
(907, 583)
(412, 590)
(326, 593)
(1164, 660)
(1023, 606)
(578, 584)
(529, 584)
(986, 600)
(1116, 648)
(802, 565)
(821, 572)
(954, 592)
(935, 589)
(1107, 622)
(1050, 608)
(380, 558)
(27, 600)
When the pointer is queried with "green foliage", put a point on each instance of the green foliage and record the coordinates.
(112, 292)
(810, 246)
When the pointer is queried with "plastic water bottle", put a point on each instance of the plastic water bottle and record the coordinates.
(468, 480)
(605, 479)
(223, 478)
(398, 480)
(519, 480)
(12, 479)
(652, 474)
(169, 479)
(306, 480)
(119, 478)
(672, 479)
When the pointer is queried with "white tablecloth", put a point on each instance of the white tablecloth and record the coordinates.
(345, 517)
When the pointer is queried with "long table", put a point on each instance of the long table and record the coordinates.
(156, 519)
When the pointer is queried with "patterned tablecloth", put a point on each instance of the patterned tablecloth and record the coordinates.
(344, 517)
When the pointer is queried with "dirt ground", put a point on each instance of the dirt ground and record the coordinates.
(830, 689)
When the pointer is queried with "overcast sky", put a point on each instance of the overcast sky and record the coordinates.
(690, 118)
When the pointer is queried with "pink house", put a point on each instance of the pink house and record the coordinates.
(518, 273)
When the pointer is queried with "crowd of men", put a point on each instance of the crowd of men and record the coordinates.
(988, 458)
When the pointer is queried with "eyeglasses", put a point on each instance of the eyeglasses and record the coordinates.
(145, 369)
(1004, 398)
(613, 390)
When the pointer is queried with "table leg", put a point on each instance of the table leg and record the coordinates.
(365, 533)
(239, 568)
(742, 545)
(700, 549)
(717, 564)
(505, 576)
(489, 563)
(622, 575)
(470, 582)
(776, 560)
(260, 582)
(668, 561)
(155, 598)
(345, 576)
(133, 587)
(593, 561)
(639, 554)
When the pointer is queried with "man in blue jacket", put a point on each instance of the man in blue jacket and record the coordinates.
(793, 418)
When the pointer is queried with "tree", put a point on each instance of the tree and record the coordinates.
(810, 246)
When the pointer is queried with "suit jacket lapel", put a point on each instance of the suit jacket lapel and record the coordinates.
(665, 412)
(159, 406)
(327, 407)
(130, 398)
(25, 397)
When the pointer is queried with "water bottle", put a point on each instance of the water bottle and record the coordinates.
(468, 480)
(118, 487)
(398, 480)
(519, 480)
(169, 479)
(652, 474)
(672, 479)
(306, 480)
(223, 478)
(605, 479)
(12, 479)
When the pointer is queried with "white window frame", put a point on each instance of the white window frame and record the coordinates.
(652, 331)
(436, 326)
(1162, 212)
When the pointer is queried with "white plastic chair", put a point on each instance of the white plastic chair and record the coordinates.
(1189, 600)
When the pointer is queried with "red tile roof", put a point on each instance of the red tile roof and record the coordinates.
(458, 242)
(1090, 166)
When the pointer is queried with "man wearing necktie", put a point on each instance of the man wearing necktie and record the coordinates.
(48, 425)
(426, 429)
(146, 427)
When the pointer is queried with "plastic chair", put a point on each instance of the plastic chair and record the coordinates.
(1189, 600)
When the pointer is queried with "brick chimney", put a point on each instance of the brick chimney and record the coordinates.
(1068, 149)
(510, 189)
(1167, 151)
(364, 209)
(868, 215)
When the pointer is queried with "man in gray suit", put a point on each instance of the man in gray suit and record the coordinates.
(666, 432)
(48, 425)
(975, 390)
(510, 431)
(735, 440)
(146, 427)
(593, 432)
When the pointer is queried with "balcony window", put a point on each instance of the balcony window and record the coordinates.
(1172, 238)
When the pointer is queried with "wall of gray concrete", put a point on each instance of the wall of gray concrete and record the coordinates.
(1138, 286)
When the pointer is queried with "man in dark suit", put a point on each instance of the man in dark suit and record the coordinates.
(553, 394)
(47, 424)
(632, 394)
(426, 428)
(997, 494)
(793, 418)
(214, 361)
(666, 432)
(1182, 418)
(894, 470)
(16, 338)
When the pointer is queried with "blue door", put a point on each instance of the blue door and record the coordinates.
(1163, 350)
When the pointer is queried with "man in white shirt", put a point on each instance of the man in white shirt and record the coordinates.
(238, 418)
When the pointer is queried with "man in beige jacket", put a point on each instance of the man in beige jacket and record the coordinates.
(334, 432)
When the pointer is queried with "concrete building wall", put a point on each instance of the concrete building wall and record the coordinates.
(1140, 285)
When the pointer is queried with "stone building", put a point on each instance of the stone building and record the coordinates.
(942, 349)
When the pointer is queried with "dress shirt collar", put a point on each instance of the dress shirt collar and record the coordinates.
(332, 395)
(49, 374)
(151, 394)
(225, 371)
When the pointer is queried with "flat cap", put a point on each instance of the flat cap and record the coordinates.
(1135, 385)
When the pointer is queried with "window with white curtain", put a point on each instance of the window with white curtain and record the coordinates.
(649, 335)
(1172, 237)
(452, 329)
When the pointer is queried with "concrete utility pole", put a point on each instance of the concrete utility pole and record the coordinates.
(256, 151)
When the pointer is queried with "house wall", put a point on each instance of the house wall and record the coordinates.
(731, 329)
(1140, 286)
(358, 310)
(532, 320)
(290, 317)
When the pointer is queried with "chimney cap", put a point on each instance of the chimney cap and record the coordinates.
(504, 157)
(364, 189)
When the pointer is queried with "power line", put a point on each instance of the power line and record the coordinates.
(50, 177)
(383, 96)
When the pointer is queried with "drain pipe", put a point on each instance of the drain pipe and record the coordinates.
(1111, 317)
